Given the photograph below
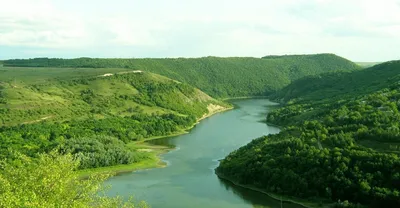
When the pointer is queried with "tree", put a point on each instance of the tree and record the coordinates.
(50, 181)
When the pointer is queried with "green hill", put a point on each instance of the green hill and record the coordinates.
(98, 118)
(341, 142)
(26, 99)
(367, 64)
(339, 85)
(218, 77)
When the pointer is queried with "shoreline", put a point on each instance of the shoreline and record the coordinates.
(186, 130)
(154, 161)
(309, 204)
(244, 97)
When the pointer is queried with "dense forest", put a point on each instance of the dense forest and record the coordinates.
(339, 85)
(96, 142)
(339, 147)
(218, 77)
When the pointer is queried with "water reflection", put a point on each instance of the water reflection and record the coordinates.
(189, 179)
(256, 198)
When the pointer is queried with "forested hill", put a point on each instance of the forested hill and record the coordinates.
(218, 77)
(337, 85)
(98, 118)
(344, 150)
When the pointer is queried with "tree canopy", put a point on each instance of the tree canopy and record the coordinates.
(338, 149)
(51, 181)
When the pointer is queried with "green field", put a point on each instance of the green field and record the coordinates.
(39, 75)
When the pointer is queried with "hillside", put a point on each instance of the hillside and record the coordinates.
(25, 99)
(339, 85)
(98, 118)
(344, 148)
(218, 77)
(367, 64)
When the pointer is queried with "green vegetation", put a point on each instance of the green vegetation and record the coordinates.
(152, 160)
(121, 94)
(96, 118)
(218, 77)
(341, 142)
(51, 181)
(367, 64)
(40, 75)
(340, 85)
(99, 112)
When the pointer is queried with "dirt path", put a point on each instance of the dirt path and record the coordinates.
(38, 120)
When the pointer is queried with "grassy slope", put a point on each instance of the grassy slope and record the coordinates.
(221, 77)
(32, 95)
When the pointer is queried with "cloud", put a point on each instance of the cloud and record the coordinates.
(39, 24)
(170, 28)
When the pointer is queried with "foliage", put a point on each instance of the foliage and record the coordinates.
(50, 181)
(218, 77)
(100, 151)
(94, 118)
(118, 95)
(343, 149)
(97, 142)
(340, 85)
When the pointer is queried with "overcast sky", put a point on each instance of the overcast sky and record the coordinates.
(360, 30)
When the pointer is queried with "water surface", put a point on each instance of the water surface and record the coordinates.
(189, 179)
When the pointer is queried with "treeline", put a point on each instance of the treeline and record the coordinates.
(340, 85)
(343, 149)
(96, 142)
(295, 167)
(218, 77)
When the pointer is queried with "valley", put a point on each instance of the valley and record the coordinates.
(339, 126)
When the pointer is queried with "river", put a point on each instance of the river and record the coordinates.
(189, 179)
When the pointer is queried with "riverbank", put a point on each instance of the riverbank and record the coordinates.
(155, 151)
(153, 161)
(186, 130)
(300, 202)
(245, 97)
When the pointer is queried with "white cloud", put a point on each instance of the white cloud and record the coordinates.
(39, 24)
(352, 28)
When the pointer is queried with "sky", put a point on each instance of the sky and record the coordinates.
(359, 30)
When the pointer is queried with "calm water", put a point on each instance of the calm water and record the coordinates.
(189, 179)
